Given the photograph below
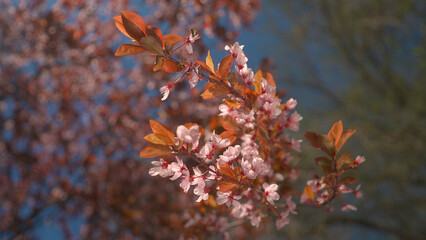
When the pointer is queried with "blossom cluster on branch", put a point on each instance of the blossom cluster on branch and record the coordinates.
(242, 164)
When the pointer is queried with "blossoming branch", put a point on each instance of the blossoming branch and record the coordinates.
(244, 165)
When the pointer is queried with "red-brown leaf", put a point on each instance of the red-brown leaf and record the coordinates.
(309, 193)
(128, 49)
(119, 23)
(226, 186)
(343, 159)
(336, 132)
(214, 90)
(229, 123)
(136, 19)
(232, 136)
(321, 142)
(152, 138)
(150, 44)
(205, 68)
(270, 79)
(156, 33)
(171, 66)
(224, 169)
(158, 63)
(209, 62)
(347, 180)
(131, 28)
(154, 151)
(258, 82)
(162, 132)
(345, 136)
(172, 39)
(225, 65)
(232, 103)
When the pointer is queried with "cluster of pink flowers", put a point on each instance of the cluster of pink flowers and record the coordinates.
(219, 163)
(322, 195)
(241, 162)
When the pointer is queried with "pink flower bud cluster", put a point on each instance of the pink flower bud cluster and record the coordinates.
(243, 173)
(240, 166)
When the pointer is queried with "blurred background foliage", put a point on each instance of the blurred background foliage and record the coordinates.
(363, 62)
(72, 115)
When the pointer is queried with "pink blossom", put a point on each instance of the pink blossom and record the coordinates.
(304, 198)
(194, 78)
(206, 151)
(295, 144)
(178, 168)
(212, 174)
(293, 175)
(343, 189)
(357, 192)
(264, 98)
(228, 198)
(235, 49)
(202, 192)
(224, 110)
(347, 207)
(190, 136)
(243, 210)
(290, 205)
(247, 169)
(278, 177)
(282, 220)
(290, 104)
(247, 120)
(266, 87)
(287, 158)
(230, 154)
(358, 161)
(272, 109)
(315, 185)
(186, 181)
(198, 179)
(218, 142)
(189, 49)
(193, 36)
(249, 146)
(323, 197)
(192, 219)
(260, 167)
(247, 75)
(255, 219)
(165, 91)
(292, 122)
(241, 60)
(271, 192)
(161, 168)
